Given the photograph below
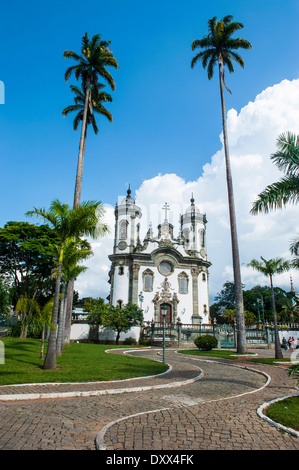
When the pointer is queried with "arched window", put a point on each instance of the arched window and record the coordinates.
(183, 283)
(123, 229)
(186, 233)
(148, 280)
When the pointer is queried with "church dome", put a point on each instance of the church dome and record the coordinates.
(128, 200)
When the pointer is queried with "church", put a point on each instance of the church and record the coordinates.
(163, 270)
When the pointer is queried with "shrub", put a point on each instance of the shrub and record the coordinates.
(206, 342)
(130, 340)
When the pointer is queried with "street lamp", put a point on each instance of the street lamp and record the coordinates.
(141, 299)
(164, 311)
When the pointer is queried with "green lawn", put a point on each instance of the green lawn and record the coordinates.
(218, 353)
(285, 412)
(79, 362)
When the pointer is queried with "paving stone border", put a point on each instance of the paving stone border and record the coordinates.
(260, 412)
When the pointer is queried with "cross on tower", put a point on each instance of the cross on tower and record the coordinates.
(166, 208)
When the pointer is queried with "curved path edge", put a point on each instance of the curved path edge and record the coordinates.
(99, 440)
(260, 413)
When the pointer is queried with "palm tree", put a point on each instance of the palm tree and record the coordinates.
(74, 252)
(25, 309)
(270, 268)
(285, 191)
(97, 98)
(68, 223)
(91, 64)
(219, 48)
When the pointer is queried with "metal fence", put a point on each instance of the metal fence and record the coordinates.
(259, 334)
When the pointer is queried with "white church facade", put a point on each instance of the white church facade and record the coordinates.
(162, 270)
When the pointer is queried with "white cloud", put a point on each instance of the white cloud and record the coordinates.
(252, 139)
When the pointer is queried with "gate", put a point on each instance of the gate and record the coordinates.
(225, 335)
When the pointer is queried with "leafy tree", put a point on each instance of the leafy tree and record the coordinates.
(121, 319)
(219, 47)
(68, 224)
(270, 268)
(26, 260)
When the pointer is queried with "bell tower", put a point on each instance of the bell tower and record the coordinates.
(126, 225)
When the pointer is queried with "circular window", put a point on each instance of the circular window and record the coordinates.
(165, 268)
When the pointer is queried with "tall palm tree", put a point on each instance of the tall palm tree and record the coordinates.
(219, 48)
(91, 64)
(97, 98)
(270, 268)
(68, 223)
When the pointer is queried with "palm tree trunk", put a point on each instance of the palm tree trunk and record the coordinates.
(79, 176)
(60, 323)
(241, 332)
(278, 351)
(50, 360)
(69, 309)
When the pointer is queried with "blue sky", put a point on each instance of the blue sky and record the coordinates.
(166, 116)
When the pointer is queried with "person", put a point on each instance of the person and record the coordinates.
(297, 347)
(292, 344)
(284, 343)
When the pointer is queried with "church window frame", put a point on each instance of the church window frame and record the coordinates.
(163, 265)
(148, 280)
(183, 280)
(123, 229)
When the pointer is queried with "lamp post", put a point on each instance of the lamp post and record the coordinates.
(141, 298)
(164, 311)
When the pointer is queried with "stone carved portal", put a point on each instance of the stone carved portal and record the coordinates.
(165, 297)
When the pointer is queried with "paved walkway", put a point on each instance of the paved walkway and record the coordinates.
(198, 404)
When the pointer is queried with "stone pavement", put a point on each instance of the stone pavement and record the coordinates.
(198, 404)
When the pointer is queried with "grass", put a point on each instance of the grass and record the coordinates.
(285, 412)
(79, 362)
(218, 353)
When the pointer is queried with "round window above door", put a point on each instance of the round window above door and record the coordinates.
(165, 268)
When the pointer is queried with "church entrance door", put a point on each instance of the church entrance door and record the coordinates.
(168, 316)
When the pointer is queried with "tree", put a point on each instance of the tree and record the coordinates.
(230, 316)
(68, 224)
(26, 260)
(26, 308)
(270, 268)
(121, 319)
(277, 195)
(91, 64)
(45, 321)
(219, 48)
(5, 301)
(75, 251)
(285, 191)
(97, 98)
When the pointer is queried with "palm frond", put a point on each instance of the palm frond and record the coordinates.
(287, 156)
(277, 195)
